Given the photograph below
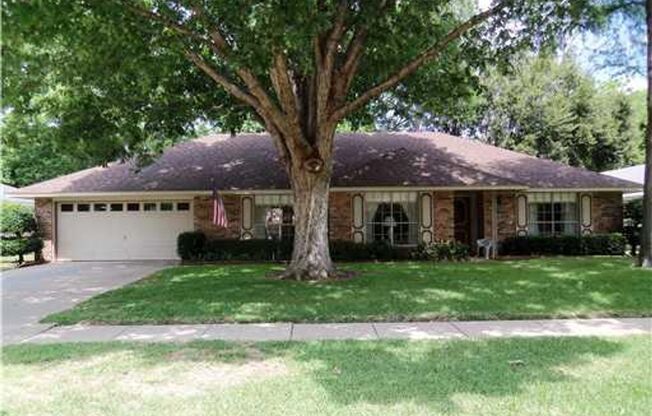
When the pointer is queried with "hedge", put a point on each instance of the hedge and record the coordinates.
(194, 246)
(596, 244)
(20, 246)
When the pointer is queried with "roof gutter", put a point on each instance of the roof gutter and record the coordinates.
(177, 194)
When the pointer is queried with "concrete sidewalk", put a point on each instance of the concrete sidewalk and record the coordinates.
(356, 331)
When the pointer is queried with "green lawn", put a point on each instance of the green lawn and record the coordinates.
(565, 287)
(564, 376)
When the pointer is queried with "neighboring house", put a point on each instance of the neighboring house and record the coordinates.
(634, 174)
(4, 197)
(403, 188)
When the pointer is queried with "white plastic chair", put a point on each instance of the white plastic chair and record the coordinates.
(489, 247)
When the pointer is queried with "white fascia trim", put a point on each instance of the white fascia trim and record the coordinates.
(187, 194)
(125, 194)
(426, 188)
(624, 190)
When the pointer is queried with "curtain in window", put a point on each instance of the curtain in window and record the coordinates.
(392, 217)
(553, 213)
(274, 217)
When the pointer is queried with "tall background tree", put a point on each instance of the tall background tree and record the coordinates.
(626, 29)
(128, 75)
(550, 108)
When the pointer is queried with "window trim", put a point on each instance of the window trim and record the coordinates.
(87, 204)
(410, 197)
(96, 204)
(553, 198)
(66, 204)
(166, 203)
(149, 203)
(271, 201)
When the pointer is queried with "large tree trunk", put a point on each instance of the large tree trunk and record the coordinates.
(646, 233)
(310, 257)
(310, 175)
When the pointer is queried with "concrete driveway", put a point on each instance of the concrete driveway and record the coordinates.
(31, 293)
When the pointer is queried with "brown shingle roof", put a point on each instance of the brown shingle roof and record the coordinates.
(250, 161)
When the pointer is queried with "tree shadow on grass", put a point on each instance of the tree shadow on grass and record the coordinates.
(432, 373)
(387, 291)
(426, 373)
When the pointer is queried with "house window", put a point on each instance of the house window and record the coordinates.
(83, 207)
(553, 213)
(274, 217)
(391, 217)
(149, 206)
(66, 207)
(167, 206)
(99, 207)
(183, 206)
(133, 206)
(116, 207)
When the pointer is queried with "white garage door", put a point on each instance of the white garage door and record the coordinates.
(121, 230)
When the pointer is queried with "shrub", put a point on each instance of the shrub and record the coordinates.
(247, 250)
(18, 232)
(633, 219)
(190, 245)
(195, 246)
(597, 244)
(342, 250)
(441, 251)
(16, 220)
(20, 246)
(609, 244)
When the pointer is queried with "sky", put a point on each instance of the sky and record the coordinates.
(587, 50)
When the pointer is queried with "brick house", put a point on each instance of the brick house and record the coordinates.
(402, 188)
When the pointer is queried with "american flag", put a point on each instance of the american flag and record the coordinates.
(219, 212)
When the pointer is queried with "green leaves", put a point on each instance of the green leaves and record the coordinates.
(113, 82)
(549, 108)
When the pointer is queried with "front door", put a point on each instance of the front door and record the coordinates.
(462, 215)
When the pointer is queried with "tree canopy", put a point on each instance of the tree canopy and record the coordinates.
(550, 108)
(134, 73)
(117, 74)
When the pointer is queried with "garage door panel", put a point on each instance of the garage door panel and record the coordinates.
(139, 235)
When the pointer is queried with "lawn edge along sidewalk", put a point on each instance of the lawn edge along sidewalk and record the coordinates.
(346, 331)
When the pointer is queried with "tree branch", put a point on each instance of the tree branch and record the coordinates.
(169, 23)
(284, 87)
(325, 61)
(348, 69)
(424, 57)
(223, 81)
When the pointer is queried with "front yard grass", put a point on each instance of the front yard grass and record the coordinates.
(520, 289)
(544, 376)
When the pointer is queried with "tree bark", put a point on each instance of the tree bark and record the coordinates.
(311, 258)
(645, 255)
(310, 176)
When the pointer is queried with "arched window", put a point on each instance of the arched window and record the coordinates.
(392, 217)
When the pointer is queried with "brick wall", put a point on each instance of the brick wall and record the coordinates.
(506, 214)
(444, 216)
(203, 212)
(607, 212)
(44, 212)
(340, 216)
